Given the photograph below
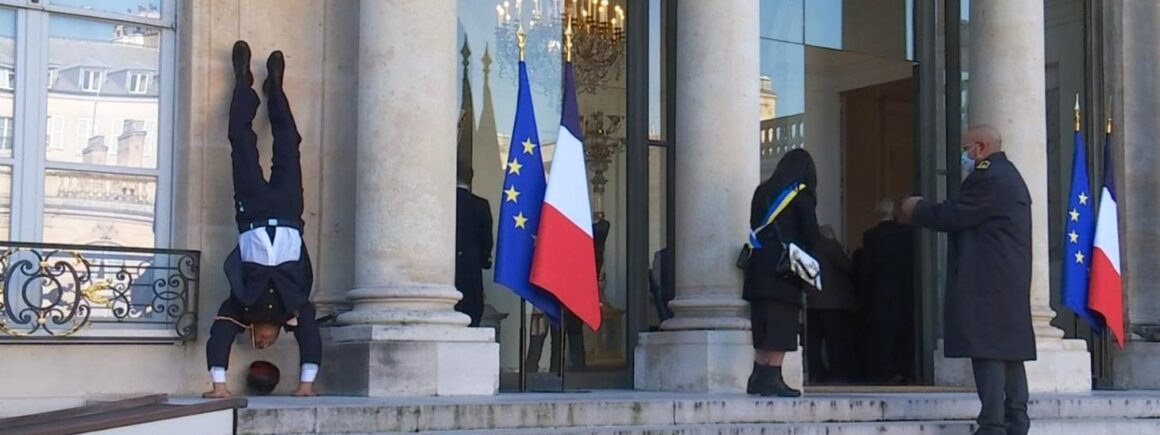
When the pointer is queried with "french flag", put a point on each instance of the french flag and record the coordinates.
(1106, 292)
(565, 259)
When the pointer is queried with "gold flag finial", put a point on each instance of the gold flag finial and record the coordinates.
(1108, 126)
(1077, 125)
(523, 40)
(568, 42)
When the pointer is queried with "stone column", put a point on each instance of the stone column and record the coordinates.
(1137, 365)
(1007, 90)
(706, 347)
(402, 336)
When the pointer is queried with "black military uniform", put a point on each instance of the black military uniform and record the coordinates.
(269, 272)
(473, 243)
(988, 305)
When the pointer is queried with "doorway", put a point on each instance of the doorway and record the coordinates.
(862, 118)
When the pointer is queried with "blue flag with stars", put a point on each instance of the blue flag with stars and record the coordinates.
(1078, 235)
(519, 213)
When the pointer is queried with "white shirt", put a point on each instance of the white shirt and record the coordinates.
(255, 246)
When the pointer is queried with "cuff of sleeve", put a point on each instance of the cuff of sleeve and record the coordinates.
(309, 372)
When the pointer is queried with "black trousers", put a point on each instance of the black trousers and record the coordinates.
(831, 332)
(255, 198)
(223, 333)
(1002, 387)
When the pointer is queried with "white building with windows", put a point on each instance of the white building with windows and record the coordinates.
(116, 193)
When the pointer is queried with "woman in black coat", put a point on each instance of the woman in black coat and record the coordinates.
(775, 299)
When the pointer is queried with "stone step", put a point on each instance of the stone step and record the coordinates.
(1040, 427)
(511, 413)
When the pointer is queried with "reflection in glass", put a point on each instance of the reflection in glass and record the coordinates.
(5, 200)
(964, 55)
(782, 93)
(880, 27)
(103, 97)
(7, 82)
(99, 209)
(487, 102)
(137, 8)
(656, 127)
(782, 20)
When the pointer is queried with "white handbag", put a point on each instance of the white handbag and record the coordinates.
(805, 266)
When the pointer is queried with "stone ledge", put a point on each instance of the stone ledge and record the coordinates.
(1137, 366)
(356, 333)
(701, 361)
(1063, 366)
(589, 412)
(410, 368)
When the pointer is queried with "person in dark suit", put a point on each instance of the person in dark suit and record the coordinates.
(888, 265)
(830, 315)
(988, 303)
(269, 271)
(775, 299)
(473, 243)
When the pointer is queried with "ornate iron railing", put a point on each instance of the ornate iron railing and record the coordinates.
(53, 292)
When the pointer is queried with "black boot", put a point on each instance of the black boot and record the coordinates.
(275, 67)
(777, 386)
(757, 381)
(241, 58)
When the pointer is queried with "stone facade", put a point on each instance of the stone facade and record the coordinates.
(373, 132)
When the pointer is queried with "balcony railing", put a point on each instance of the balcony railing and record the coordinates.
(85, 293)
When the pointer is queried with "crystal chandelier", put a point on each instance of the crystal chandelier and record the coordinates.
(598, 41)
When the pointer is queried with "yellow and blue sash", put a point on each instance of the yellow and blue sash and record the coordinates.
(779, 205)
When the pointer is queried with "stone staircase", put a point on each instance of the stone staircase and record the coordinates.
(635, 412)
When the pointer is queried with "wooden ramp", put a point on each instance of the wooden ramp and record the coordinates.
(139, 415)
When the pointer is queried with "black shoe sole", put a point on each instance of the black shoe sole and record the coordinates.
(275, 70)
(241, 59)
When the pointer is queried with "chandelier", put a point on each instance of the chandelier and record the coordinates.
(598, 41)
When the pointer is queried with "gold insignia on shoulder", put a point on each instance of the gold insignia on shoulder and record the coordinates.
(983, 165)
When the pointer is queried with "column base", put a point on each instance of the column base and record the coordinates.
(388, 361)
(1063, 366)
(702, 361)
(1137, 366)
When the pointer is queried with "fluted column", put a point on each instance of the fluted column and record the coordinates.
(403, 325)
(1007, 91)
(706, 346)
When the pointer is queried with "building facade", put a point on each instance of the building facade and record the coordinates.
(113, 151)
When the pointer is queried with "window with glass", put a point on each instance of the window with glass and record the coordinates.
(80, 118)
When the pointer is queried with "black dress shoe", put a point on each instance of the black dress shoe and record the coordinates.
(241, 59)
(275, 68)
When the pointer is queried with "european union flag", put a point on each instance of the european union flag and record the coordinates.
(519, 214)
(1078, 234)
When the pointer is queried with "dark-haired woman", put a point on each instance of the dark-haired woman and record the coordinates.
(775, 298)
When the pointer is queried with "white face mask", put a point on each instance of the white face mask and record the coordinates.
(967, 162)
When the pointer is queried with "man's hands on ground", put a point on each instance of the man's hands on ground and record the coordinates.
(219, 391)
(305, 389)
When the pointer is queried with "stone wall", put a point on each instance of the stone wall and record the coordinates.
(320, 41)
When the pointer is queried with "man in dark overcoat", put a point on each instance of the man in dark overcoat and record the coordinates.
(473, 243)
(988, 304)
(888, 258)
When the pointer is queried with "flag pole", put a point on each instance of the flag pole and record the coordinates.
(522, 39)
(1077, 122)
(564, 319)
(523, 346)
